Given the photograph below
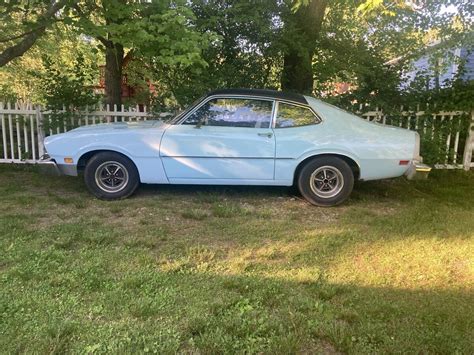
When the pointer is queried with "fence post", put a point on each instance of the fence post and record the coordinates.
(40, 131)
(469, 146)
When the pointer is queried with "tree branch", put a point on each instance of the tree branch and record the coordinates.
(4, 40)
(30, 39)
(106, 42)
(9, 39)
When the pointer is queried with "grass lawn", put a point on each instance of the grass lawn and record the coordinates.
(242, 269)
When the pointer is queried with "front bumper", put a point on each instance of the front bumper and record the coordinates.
(417, 170)
(49, 166)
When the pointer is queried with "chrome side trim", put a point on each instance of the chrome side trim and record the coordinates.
(217, 157)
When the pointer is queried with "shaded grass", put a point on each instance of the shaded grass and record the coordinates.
(242, 269)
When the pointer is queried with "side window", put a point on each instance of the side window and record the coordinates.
(294, 116)
(229, 112)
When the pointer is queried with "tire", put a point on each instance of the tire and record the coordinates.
(326, 190)
(111, 176)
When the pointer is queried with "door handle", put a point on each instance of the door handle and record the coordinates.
(267, 134)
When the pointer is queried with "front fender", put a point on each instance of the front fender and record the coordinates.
(142, 150)
(102, 147)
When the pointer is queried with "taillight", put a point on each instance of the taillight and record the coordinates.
(403, 162)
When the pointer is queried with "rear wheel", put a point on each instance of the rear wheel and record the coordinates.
(326, 181)
(111, 176)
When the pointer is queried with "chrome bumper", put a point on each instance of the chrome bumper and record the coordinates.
(49, 166)
(417, 170)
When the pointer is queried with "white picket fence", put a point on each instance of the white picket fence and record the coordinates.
(24, 126)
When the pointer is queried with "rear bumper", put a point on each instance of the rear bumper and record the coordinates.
(417, 170)
(49, 166)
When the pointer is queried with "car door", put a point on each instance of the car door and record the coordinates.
(223, 138)
(297, 130)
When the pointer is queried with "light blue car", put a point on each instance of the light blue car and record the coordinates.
(240, 137)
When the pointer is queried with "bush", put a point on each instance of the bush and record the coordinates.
(66, 90)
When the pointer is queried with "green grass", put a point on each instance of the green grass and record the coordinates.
(210, 270)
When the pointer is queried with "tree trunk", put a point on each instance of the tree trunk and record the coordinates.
(297, 73)
(114, 55)
(305, 26)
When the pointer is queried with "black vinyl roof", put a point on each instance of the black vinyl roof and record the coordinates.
(289, 96)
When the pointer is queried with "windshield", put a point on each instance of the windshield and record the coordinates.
(180, 115)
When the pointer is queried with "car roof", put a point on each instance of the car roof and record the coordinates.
(274, 94)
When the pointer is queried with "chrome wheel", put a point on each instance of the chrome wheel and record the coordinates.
(326, 181)
(111, 176)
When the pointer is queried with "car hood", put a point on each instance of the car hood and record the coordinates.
(118, 125)
(106, 128)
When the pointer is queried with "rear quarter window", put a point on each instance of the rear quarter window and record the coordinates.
(289, 115)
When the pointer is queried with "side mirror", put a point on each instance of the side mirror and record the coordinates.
(200, 123)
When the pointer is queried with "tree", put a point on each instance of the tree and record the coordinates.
(157, 30)
(187, 47)
(323, 35)
(24, 23)
(243, 49)
(301, 31)
(22, 79)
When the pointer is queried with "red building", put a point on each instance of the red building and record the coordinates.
(128, 90)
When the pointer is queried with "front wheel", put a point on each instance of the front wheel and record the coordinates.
(326, 181)
(111, 176)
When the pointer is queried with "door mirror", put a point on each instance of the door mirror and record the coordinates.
(200, 123)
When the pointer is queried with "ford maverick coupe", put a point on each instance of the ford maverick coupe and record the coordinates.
(240, 137)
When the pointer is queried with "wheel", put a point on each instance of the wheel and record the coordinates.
(326, 181)
(111, 176)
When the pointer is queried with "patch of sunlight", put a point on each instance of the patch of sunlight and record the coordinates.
(300, 259)
(272, 256)
(195, 259)
(410, 263)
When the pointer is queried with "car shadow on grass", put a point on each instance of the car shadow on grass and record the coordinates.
(450, 186)
(227, 190)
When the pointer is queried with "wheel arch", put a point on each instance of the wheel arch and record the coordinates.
(85, 157)
(350, 161)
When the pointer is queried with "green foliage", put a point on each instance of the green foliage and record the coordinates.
(69, 87)
(20, 17)
(66, 91)
(241, 51)
(7, 93)
(161, 35)
(431, 149)
(21, 78)
(352, 45)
